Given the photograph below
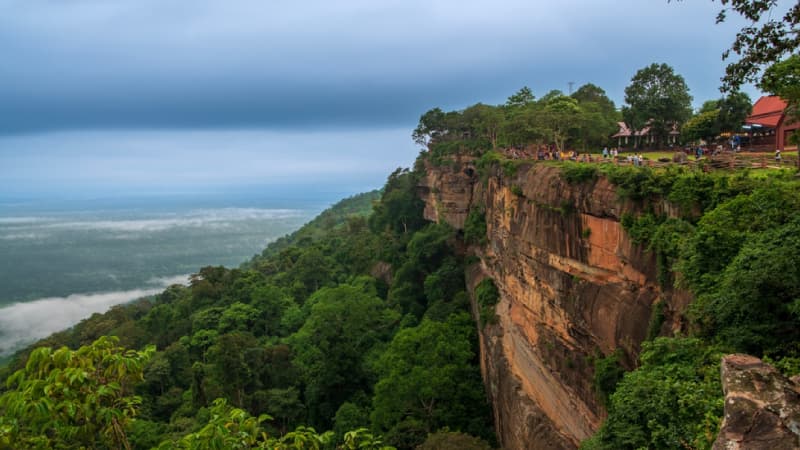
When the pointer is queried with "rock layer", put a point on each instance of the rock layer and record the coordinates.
(762, 407)
(573, 287)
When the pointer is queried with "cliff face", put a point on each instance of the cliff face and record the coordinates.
(573, 287)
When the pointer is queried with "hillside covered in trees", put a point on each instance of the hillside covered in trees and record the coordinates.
(355, 332)
(305, 338)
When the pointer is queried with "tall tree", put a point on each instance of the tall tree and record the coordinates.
(400, 208)
(486, 120)
(560, 116)
(659, 98)
(783, 79)
(426, 378)
(331, 347)
(599, 116)
(432, 126)
(591, 93)
(733, 109)
(521, 98)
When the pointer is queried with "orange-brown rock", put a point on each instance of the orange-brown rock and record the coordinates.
(573, 286)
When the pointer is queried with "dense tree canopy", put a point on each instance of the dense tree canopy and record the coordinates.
(584, 120)
(659, 98)
(734, 247)
(69, 399)
(427, 377)
(252, 357)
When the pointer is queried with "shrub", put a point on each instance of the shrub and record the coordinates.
(475, 227)
(674, 400)
(607, 373)
(487, 296)
(576, 173)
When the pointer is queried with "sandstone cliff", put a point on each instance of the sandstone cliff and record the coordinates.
(573, 287)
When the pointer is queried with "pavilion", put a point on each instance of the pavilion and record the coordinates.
(643, 136)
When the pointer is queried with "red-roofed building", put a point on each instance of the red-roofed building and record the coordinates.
(769, 115)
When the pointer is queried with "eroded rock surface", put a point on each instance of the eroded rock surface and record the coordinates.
(762, 407)
(573, 287)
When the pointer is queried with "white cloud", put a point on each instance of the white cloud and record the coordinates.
(24, 323)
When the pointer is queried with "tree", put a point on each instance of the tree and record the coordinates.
(69, 398)
(768, 38)
(659, 98)
(783, 79)
(426, 376)
(771, 39)
(674, 400)
(231, 367)
(756, 307)
(560, 116)
(400, 208)
(716, 116)
(704, 125)
(487, 121)
(590, 93)
(521, 98)
(520, 126)
(733, 110)
(599, 116)
(344, 325)
(432, 126)
(238, 317)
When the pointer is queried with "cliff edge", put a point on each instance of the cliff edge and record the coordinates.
(573, 287)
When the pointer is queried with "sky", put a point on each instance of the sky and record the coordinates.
(153, 94)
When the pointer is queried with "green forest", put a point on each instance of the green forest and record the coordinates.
(731, 241)
(356, 331)
(734, 246)
(311, 344)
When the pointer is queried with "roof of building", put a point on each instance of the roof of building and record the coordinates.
(767, 111)
(625, 131)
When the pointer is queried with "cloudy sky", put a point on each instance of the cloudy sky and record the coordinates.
(102, 93)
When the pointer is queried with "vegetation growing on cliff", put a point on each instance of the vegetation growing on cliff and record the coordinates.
(734, 245)
(487, 297)
(673, 400)
(475, 227)
(303, 335)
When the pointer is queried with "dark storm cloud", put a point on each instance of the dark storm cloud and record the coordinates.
(303, 64)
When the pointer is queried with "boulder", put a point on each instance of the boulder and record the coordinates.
(762, 407)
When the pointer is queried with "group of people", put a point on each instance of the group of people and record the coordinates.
(550, 152)
(637, 159)
(613, 153)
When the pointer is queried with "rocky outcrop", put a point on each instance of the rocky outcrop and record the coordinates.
(573, 287)
(762, 407)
